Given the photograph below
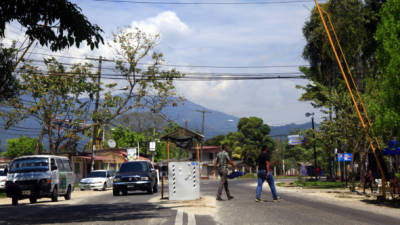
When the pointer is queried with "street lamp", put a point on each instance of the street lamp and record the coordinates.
(315, 152)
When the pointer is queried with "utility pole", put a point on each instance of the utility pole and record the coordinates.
(96, 107)
(202, 127)
(186, 123)
(154, 139)
(202, 122)
(315, 152)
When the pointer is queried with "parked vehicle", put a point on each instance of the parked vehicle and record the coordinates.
(97, 180)
(3, 178)
(38, 176)
(135, 175)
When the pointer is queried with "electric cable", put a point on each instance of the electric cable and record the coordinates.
(206, 3)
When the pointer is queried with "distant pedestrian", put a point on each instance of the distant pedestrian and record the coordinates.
(369, 179)
(222, 162)
(264, 174)
(318, 172)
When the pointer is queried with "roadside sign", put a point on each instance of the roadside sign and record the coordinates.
(131, 153)
(111, 143)
(345, 157)
(295, 139)
(152, 146)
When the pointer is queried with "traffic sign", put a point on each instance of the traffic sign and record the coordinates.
(345, 157)
(111, 143)
(152, 146)
(131, 153)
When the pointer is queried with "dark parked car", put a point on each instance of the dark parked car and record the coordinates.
(135, 175)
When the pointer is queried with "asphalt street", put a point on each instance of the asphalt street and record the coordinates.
(134, 208)
(291, 209)
(141, 208)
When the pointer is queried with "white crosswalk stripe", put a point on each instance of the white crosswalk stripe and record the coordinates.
(179, 218)
(191, 219)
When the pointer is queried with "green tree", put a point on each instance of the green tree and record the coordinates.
(53, 97)
(125, 138)
(58, 24)
(386, 104)
(21, 146)
(148, 88)
(355, 23)
(252, 134)
(8, 83)
(215, 141)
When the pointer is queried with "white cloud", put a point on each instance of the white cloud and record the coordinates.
(167, 24)
(227, 36)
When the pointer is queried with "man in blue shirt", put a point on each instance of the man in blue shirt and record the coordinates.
(264, 173)
(222, 161)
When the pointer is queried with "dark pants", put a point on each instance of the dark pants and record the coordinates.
(223, 182)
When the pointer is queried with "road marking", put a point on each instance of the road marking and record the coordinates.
(191, 219)
(179, 218)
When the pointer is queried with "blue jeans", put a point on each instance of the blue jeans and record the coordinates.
(262, 176)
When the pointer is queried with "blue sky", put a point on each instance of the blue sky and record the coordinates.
(219, 35)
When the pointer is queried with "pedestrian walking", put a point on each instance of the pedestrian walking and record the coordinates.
(222, 162)
(264, 174)
(369, 179)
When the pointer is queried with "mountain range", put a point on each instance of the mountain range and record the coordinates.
(187, 114)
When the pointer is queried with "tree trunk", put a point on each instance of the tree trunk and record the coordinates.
(39, 140)
(363, 159)
(352, 175)
(50, 134)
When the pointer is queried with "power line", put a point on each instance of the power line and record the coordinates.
(196, 76)
(178, 65)
(206, 3)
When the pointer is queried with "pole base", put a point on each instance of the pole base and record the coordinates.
(380, 198)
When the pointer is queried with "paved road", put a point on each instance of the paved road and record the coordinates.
(100, 209)
(140, 208)
(292, 209)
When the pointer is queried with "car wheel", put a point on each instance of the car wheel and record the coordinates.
(32, 200)
(82, 189)
(115, 192)
(104, 186)
(155, 188)
(14, 201)
(67, 196)
(54, 195)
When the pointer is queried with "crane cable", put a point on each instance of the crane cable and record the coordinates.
(355, 86)
(352, 79)
(353, 99)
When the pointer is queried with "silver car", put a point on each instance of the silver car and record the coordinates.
(3, 178)
(97, 180)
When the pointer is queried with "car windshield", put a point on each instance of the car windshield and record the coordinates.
(97, 174)
(133, 167)
(29, 165)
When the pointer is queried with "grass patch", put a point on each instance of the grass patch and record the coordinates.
(320, 184)
(249, 176)
(284, 177)
(3, 195)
